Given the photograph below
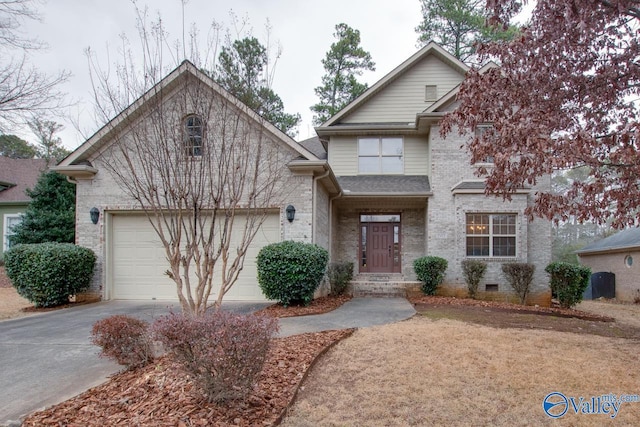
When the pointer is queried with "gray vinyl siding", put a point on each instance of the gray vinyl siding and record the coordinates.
(343, 156)
(405, 97)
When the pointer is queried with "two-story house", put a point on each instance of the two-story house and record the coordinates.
(379, 187)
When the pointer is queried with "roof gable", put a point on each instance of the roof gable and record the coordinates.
(185, 70)
(400, 95)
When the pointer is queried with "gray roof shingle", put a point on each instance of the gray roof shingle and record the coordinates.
(20, 174)
(315, 146)
(391, 184)
(624, 239)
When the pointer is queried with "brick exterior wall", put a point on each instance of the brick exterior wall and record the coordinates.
(104, 193)
(627, 278)
(412, 231)
(447, 218)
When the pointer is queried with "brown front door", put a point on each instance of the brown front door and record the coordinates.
(381, 247)
(380, 243)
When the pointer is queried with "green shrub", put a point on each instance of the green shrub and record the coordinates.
(290, 272)
(473, 271)
(223, 352)
(568, 282)
(47, 274)
(519, 276)
(430, 271)
(340, 274)
(124, 339)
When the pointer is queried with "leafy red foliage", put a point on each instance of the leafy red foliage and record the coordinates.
(223, 352)
(124, 339)
(564, 96)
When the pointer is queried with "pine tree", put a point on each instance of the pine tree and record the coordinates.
(345, 60)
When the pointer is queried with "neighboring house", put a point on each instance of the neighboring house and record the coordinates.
(379, 187)
(618, 254)
(16, 176)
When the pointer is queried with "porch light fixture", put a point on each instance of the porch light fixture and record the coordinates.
(95, 215)
(291, 213)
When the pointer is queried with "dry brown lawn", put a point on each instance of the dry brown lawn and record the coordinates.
(425, 372)
(622, 312)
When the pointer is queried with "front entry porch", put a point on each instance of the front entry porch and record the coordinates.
(382, 237)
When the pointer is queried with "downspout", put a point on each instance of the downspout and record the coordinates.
(314, 203)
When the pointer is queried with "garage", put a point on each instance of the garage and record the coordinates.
(138, 261)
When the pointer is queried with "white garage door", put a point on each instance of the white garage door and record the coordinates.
(139, 262)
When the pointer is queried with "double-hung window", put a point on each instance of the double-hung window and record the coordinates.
(380, 155)
(491, 235)
(194, 131)
(10, 221)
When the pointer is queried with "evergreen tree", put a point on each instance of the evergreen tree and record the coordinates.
(243, 71)
(458, 25)
(345, 60)
(50, 216)
(16, 148)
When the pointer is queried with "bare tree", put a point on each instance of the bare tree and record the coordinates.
(203, 167)
(49, 146)
(23, 89)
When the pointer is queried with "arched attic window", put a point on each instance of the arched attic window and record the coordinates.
(194, 132)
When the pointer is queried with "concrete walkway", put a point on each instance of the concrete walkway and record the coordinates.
(356, 313)
(47, 358)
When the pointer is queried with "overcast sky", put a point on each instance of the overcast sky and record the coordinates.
(303, 28)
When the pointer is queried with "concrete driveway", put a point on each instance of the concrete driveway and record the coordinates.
(48, 358)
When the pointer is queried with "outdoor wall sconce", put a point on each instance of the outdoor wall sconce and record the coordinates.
(95, 215)
(291, 213)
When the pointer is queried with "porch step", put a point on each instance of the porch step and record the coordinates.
(380, 289)
(378, 277)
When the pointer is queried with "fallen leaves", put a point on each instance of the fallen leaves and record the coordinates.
(161, 395)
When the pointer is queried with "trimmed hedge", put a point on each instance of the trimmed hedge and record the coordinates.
(568, 282)
(47, 274)
(340, 274)
(290, 272)
(430, 271)
(473, 271)
(520, 276)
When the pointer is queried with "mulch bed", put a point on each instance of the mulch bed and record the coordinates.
(423, 302)
(161, 395)
(4, 280)
(317, 306)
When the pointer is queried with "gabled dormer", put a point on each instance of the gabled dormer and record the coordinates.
(385, 131)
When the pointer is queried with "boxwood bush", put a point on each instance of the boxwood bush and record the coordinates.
(290, 272)
(47, 274)
(568, 282)
(430, 271)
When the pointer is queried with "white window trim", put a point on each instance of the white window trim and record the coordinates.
(5, 228)
(490, 235)
(380, 156)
